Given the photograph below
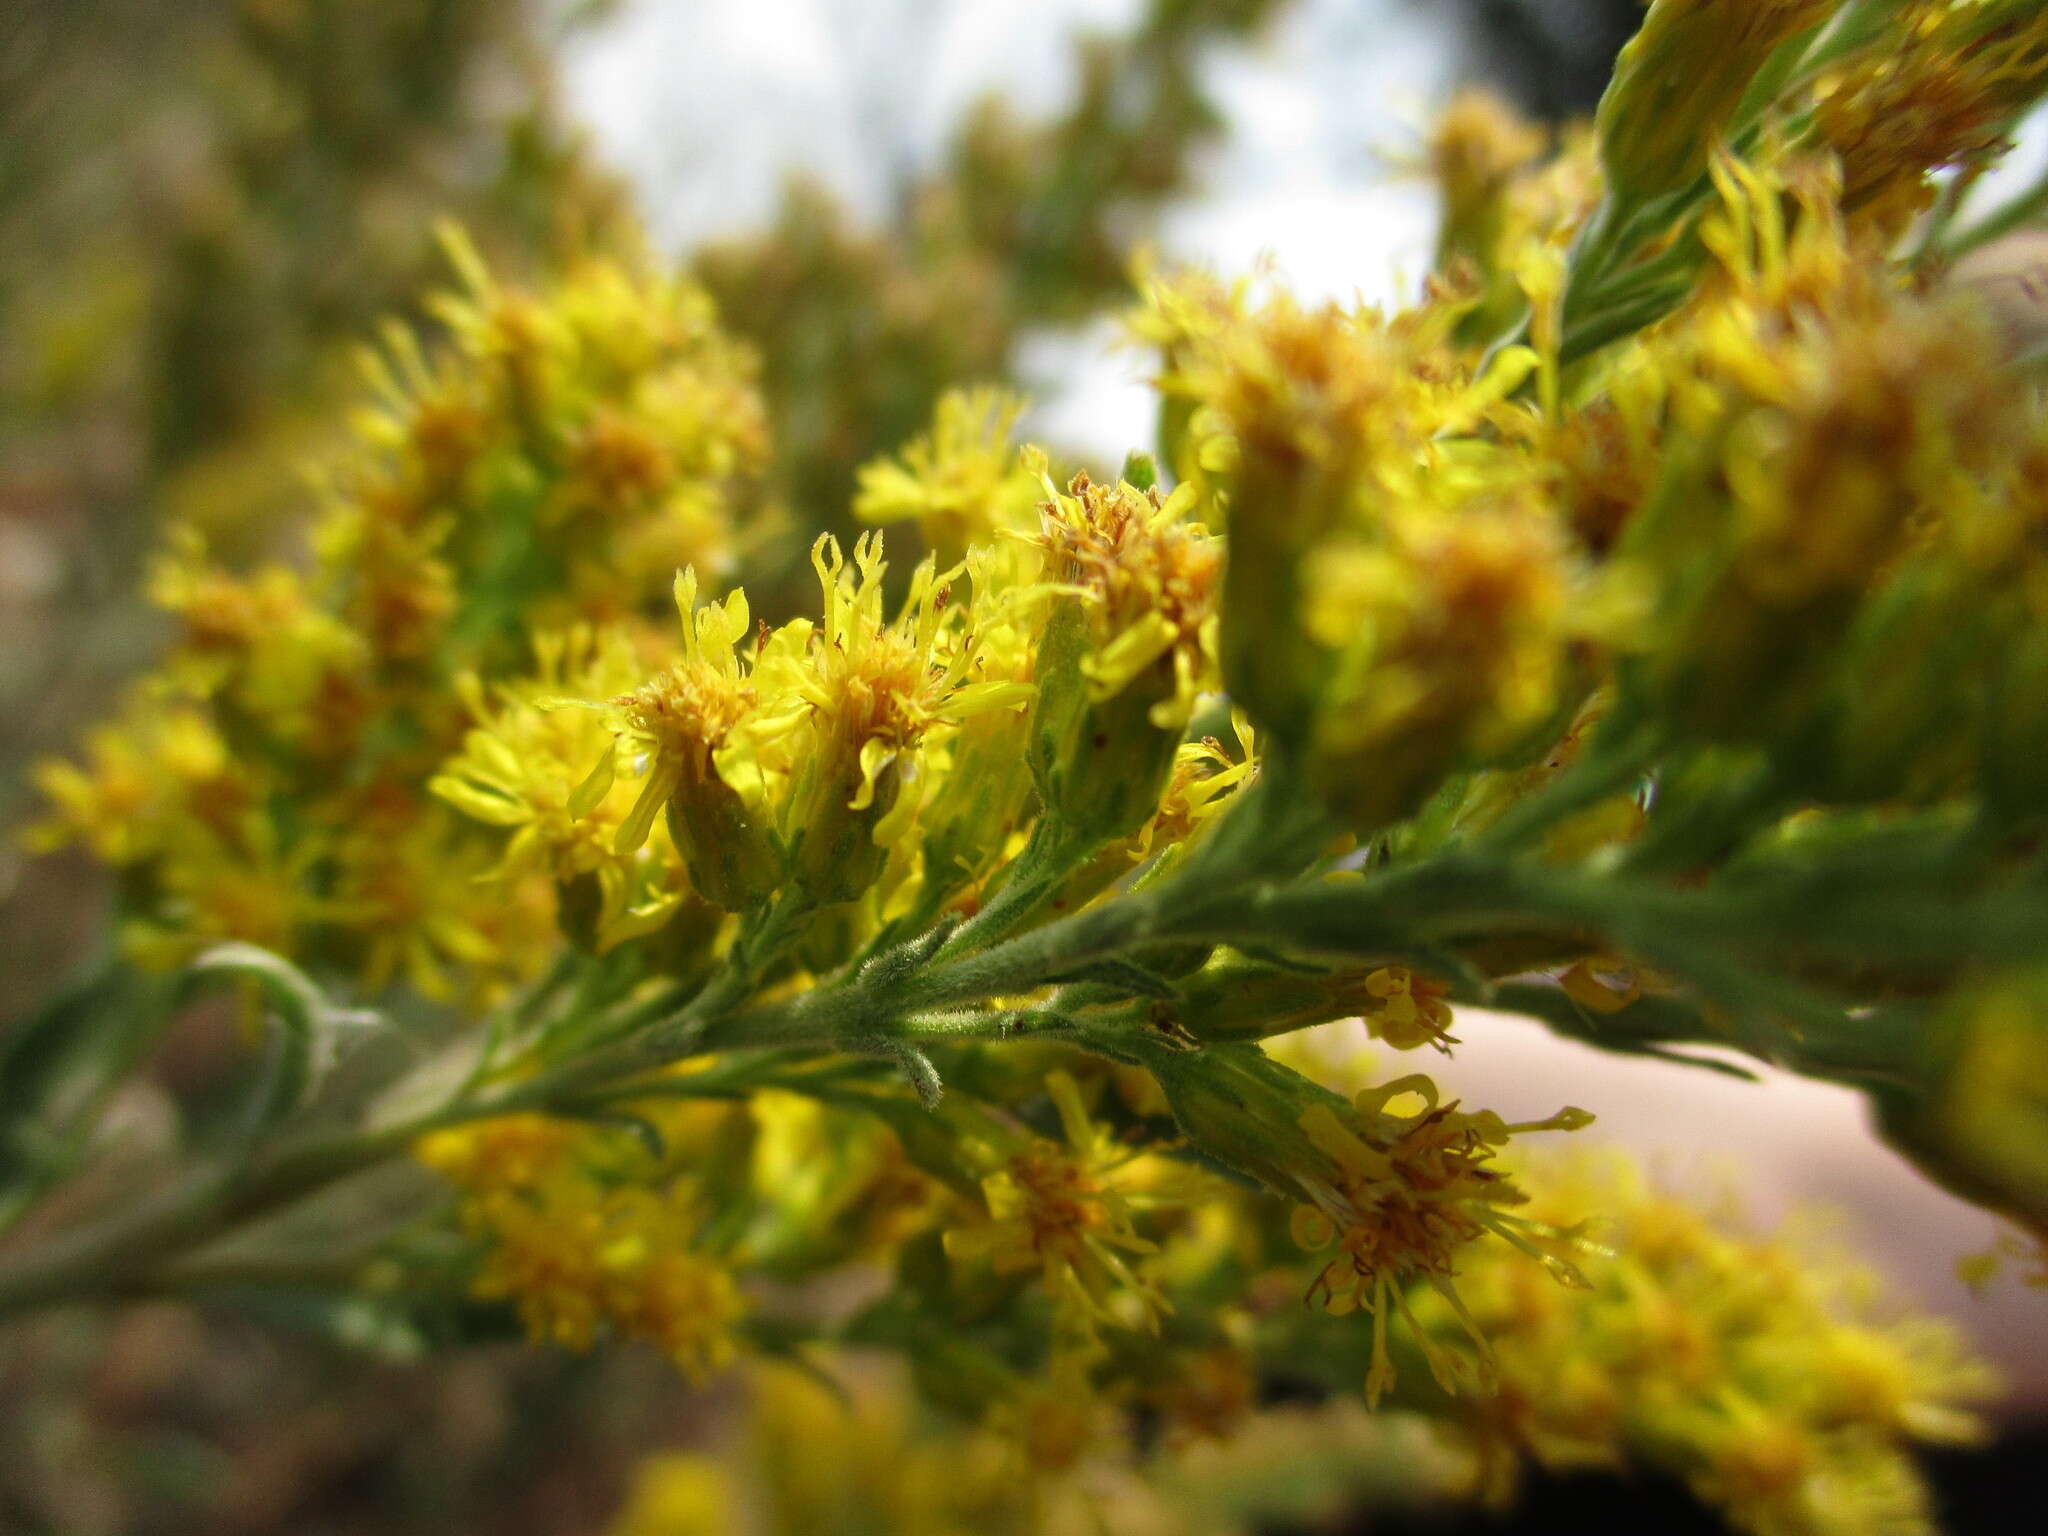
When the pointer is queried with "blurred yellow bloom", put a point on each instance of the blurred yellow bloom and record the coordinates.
(1769, 1377)
(1066, 1211)
(1941, 86)
(526, 766)
(961, 482)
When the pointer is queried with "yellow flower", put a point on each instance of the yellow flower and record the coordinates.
(1402, 1197)
(1062, 1210)
(698, 766)
(961, 481)
(400, 594)
(576, 1255)
(974, 772)
(1396, 591)
(1204, 781)
(1477, 148)
(415, 892)
(1128, 645)
(788, 764)
(1144, 577)
(608, 416)
(153, 779)
(1767, 1375)
(1452, 641)
(509, 1152)
(1829, 424)
(295, 674)
(555, 459)
(1407, 1010)
(872, 689)
(525, 766)
(1181, 315)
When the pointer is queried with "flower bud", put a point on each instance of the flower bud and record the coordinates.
(1479, 145)
(1315, 404)
(1942, 85)
(961, 481)
(1233, 998)
(1822, 436)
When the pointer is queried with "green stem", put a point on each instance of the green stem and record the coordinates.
(113, 1255)
(1046, 863)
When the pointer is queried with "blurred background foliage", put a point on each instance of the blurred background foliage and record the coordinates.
(204, 206)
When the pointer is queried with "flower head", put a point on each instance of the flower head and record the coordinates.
(1941, 86)
(701, 768)
(1766, 1372)
(1063, 1210)
(582, 1237)
(870, 691)
(156, 778)
(1407, 1010)
(1830, 424)
(1128, 645)
(526, 766)
(961, 481)
(1452, 638)
(1402, 1196)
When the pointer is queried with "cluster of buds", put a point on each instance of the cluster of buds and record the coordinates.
(1835, 542)
(1067, 1210)
(1942, 87)
(1762, 1370)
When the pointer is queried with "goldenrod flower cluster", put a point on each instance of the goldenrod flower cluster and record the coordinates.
(1061, 1209)
(1645, 629)
(545, 469)
(1766, 1372)
(585, 1233)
